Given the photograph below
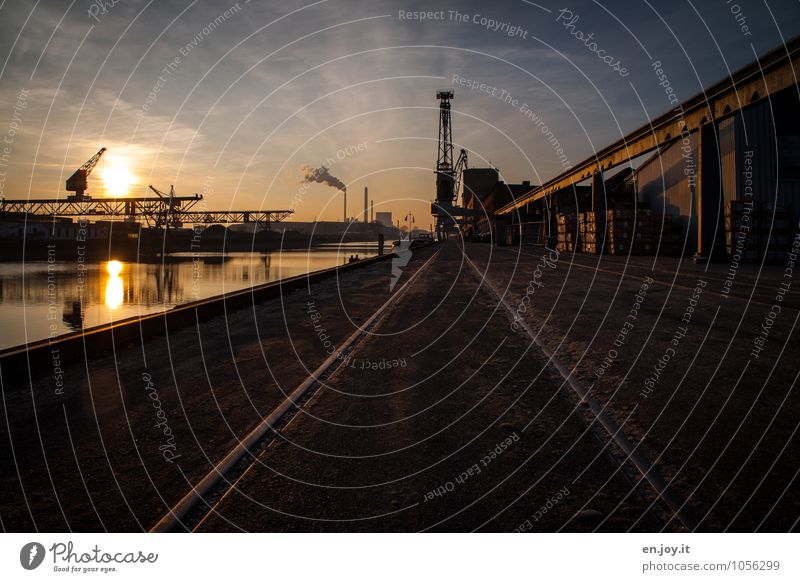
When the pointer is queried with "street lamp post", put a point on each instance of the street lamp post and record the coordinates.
(410, 223)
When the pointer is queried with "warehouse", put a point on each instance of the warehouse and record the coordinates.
(714, 177)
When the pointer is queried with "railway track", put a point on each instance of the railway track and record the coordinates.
(606, 429)
(201, 503)
(194, 508)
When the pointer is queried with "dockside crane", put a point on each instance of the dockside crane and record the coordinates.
(77, 182)
(448, 173)
(445, 175)
(461, 165)
(169, 216)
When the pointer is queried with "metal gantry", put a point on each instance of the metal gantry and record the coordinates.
(234, 216)
(154, 211)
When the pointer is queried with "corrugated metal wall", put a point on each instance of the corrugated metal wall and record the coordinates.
(753, 144)
(754, 132)
(664, 186)
(729, 155)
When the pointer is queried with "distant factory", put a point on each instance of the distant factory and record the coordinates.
(353, 229)
(367, 226)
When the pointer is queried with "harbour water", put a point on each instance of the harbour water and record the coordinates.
(43, 299)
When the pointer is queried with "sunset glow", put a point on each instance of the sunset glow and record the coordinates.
(117, 179)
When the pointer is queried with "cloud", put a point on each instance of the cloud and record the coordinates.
(250, 102)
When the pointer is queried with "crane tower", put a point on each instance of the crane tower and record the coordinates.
(78, 182)
(448, 173)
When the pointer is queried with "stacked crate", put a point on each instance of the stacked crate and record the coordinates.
(638, 232)
(567, 233)
(582, 232)
(593, 229)
(641, 232)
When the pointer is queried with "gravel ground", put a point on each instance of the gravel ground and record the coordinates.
(721, 423)
(475, 432)
(96, 458)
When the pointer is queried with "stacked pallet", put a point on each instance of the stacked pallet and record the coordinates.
(593, 232)
(582, 232)
(641, 232)
(567, 233)
(758, 230)
(627, 231)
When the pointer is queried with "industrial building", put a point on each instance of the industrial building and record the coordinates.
(478, 182)
(484, 203)
(353, 228)
(384, 218)
(720, 173)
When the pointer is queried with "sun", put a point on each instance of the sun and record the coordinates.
(117, 179)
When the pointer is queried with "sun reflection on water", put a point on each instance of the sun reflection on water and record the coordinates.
(115, 291)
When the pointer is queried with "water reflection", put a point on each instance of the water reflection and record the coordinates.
(115, 291)
(38, 300)
(73, 315)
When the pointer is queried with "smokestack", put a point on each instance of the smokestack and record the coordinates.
(372, 211)
(366, 207)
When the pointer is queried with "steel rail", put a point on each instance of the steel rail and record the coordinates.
(260, 436)
(648, 470)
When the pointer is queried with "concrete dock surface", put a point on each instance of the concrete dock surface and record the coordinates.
(448, 416)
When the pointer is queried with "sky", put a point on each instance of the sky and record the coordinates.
(233, 99)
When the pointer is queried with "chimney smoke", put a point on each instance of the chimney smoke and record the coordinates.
(322, 175)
